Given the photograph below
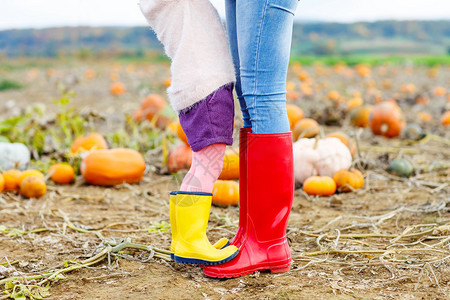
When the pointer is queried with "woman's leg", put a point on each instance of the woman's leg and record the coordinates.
(264, 35)
(230, 7)
(264, 30)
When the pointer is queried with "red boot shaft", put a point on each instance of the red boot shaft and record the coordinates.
(240, 234)
(270, 191)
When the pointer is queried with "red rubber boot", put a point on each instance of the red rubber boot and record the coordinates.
(240, 234)
(270, 191)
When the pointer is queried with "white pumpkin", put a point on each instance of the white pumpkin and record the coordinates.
(14, 156)
(322, 157)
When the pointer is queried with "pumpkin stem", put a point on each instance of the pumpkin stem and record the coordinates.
(316, 143)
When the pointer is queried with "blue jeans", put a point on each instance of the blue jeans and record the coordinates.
(260, 35)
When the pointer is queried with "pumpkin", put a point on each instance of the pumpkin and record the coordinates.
(27, 173)
(354, 102)
(292, 95)
(439, 91)
(401, 167)
(359, 116)
(89, 74)
(386, 119)
(412, 131)
(422, 100)
(2, 183)
(334, 95)
(33, 187)
(445, 119)
(408, 88)
(11, 178)
(137, 115)
(117, 88)
(167, 82)
(180, 158)
(93, 141)
(225, 192)
(303, 76)
(322, 157)
(319, 186)
(62, 173)
(230, 168)
(363, 70)
(294, 114)
(181, 135)
(424, 116)
(348, 180)
(345, 139)
(14, 156)
(305, 128)
(113, 166)
(290, 86)
(154, 109)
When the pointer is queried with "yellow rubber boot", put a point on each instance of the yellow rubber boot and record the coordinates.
(192, 245)
(223, 242)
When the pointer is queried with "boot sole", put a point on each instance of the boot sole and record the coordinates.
(172, 256)
(196, 261)
(273, 270)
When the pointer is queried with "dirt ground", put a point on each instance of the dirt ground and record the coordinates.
(389, 240)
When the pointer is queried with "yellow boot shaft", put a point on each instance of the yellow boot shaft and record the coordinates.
(192, 245)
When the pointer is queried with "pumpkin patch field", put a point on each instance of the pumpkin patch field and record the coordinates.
(90, 149)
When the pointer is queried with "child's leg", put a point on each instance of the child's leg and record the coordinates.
(201, 91)
(205, 169)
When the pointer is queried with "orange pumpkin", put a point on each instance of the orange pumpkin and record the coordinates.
(354, 102)
(167, 82)
(179, 158)
(408, 88)
(2, 183)
(230, 168)
(117, 88)
(292, 95)
(439, 91)
(445, 120)
(89, 74)
(319, 186)
(359, 116)
(348, 179)
(386, 119)
(305, 128)
(422, 100)
(137, 115)
(62, 173)
(424, 116)
(93, 141)
(152, 108)
(294, 113)
(334, 95)
(33, 187)
(290, 86)
(11, 178)
(363, 70)
(303, 76)
(114, 166)
(27, 173)
(345, 139)
(181, 134)
(225, 192)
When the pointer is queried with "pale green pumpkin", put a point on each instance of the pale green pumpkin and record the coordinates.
(14, 156)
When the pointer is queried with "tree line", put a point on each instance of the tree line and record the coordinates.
(386, 37)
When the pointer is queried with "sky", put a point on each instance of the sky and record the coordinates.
(51, 13)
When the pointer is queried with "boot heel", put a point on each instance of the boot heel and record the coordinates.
(280, 270)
